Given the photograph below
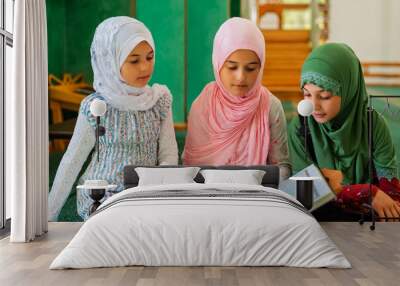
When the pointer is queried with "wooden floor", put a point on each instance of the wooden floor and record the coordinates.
(374, 255)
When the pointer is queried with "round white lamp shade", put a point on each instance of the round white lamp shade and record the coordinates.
(305, 107)
(98, 107)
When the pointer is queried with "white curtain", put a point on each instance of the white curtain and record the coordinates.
(27, 123)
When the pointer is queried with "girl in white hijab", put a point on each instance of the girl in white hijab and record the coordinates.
(138, 121)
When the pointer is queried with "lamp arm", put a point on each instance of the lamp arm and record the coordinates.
(97, 136)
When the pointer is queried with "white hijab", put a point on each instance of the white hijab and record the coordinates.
(113, 41)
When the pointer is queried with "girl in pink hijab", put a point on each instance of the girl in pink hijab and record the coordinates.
(235, 120)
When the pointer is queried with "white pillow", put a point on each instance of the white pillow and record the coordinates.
(163, 176)
(248, 177)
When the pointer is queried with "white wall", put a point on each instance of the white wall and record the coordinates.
(370, 27)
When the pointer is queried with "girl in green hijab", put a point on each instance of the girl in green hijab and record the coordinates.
(332, 79)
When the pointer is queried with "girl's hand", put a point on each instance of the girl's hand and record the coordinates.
(385, 206)
(334, 179)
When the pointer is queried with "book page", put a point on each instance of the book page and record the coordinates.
(322, 192)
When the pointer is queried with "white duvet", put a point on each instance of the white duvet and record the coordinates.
(207, 230)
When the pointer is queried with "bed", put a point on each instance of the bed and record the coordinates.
(201, 224)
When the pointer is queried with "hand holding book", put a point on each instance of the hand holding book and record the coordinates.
(334, 178)
(386, 197)
(385, 206)
(322, 192)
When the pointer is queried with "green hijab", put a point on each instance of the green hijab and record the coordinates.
(342, 143)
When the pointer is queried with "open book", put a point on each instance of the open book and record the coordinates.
(321, 190)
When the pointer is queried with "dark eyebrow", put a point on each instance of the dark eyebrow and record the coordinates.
(233, 62)
(136, 55)
(319, 90)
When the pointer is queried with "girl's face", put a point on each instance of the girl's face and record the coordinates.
(240, 71)
(138, 66)
(326, 105)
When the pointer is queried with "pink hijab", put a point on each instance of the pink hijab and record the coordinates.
(224, 129)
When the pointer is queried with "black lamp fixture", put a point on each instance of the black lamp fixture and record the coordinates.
(98, 108)
(370, 111)
(97, 188)
(304, 190)
(304, 185)
(305, 108)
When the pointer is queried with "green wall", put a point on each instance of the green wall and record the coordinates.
(71, 25)
(166, 21)
(204, 19)
(184, 33)
(56, 36)
(82, 18)
(235, 8)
